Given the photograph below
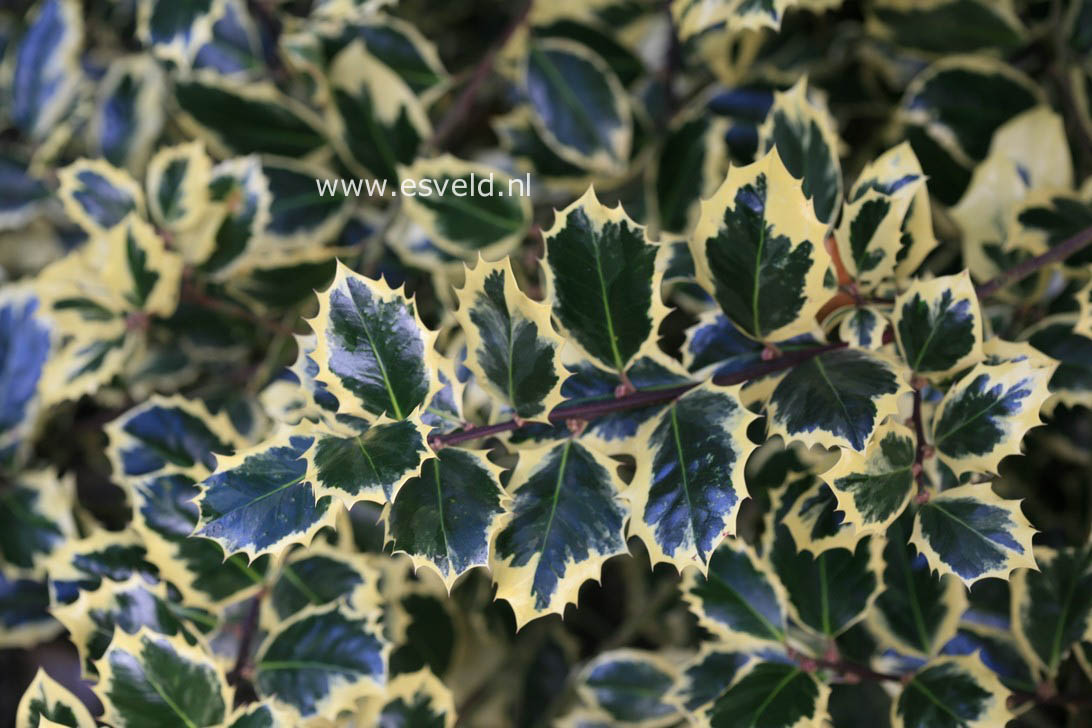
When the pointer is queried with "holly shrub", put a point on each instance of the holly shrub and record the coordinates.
(561, 363)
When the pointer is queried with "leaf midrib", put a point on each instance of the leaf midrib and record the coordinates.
(685, 478)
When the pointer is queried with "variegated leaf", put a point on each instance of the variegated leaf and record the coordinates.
(24, 613)
(696, 16)
(758, 248)
(1052, 606)
(873, 487)
(176, 29)
(951, 692)
(806, 138)
(320, 575)
(836, 399)
(868, 238)
(46, 75)
(36, 513)
(566, 519)
(97, 196)
(774, 694)
(938, 326)
(130, 112)
(233, 116)
(512, 347)
(689, 482)
(816, 523)
(260, 500)
(604, 278)
(984, 416)
(179, 199)
(693, 149)
(128, 606)
(891, 172)
(151, 679)
(23, 195)
(373, 352)
(410, 700)
(918, 611)
(1058, 337)
(45, 700)
(970, 532)
(371, 465)
(468, 209)
(861, 327)
(830, 592)
(630, 686)
(738, 600)
(374, 117)
(321, 661)
(707, 676)
(579, 107)
(948, 26)
(446, 516)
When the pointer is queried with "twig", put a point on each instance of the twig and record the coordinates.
(858, 672)
(465, 102)
(250, 627)
(642, 398)
(1019, 272)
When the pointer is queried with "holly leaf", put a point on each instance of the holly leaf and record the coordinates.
(374, 354)
(918, 611)
(130, 112)
(774, 694)
(889, 174)
(758, 248)
(630, 686)
(693, 149)
(371, 465)
(24, 613)
(165, 516)
(868, 237)
(243, 117)
(321, 575)
(260, 500)
(806, 138)
(567, 517)
(984, 416)
(24, 195)
(970, 532)
(445, 517)
(861, 327)
(738, 599)
(707, 676)
(836, 399)
(256, 715)
(938, 326)
(827, 592)
(467, 209)
(97, 196)
(815, 522)
(951, 691)
(512, 347)
(604, 278)
(46, 77)
(128, 606)
(695, 16)
(321, 661)
(375, 118)
(415, 699)
(1052, 606)
(151, 679)
(580, 109)
(689, 483)
(1060, 338)
(45, 700)
(36, 513)
(874, 486)
(176, 31)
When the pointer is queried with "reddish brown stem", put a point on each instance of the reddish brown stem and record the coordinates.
(1019, 272)
(465, 102)
(641, 398)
